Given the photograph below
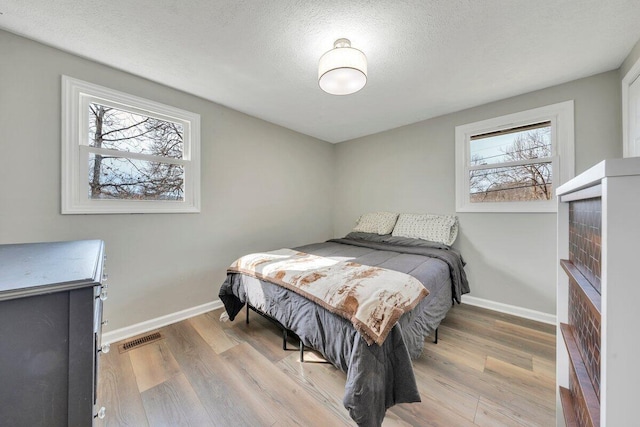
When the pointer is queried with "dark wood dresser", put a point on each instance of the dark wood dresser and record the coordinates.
(51, 298)
(598, 292)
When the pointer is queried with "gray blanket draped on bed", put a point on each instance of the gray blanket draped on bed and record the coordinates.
(378, 377)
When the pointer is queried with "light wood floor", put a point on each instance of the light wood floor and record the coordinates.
(488, 369)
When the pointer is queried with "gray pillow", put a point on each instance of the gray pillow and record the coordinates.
(371, 237)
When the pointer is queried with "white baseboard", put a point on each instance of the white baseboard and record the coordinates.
(148, 325)
(510, 309)
(158, 322)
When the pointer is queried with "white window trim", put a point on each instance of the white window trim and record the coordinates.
(628, 146)
(561, 117)
(76, 95)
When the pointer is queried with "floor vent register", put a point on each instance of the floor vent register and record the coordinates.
(140, 341)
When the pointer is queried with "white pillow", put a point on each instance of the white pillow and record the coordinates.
(435, 228)
(376, 222)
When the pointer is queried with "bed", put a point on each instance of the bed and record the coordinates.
(378, 376)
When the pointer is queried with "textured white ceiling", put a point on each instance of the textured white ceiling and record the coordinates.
(426, 57)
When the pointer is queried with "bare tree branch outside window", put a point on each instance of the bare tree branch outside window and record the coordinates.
(116, 176)
(528, 180)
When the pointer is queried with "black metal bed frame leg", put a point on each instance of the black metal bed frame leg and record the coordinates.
(301, 352)
(435, 341)
(285, 332)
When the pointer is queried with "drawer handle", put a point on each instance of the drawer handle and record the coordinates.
(103, 295)
(101, 413)
(105, 348)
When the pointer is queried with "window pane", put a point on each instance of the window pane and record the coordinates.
(512, 184)
(121, 130)
(130, 179)
(511, 146)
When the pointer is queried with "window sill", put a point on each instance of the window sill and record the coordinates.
(510, 207)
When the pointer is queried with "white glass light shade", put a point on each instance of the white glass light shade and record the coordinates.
(343, 69)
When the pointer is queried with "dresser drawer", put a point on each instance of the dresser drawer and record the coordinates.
(100, 295)
(585, 239)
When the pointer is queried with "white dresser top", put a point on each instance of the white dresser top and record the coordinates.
(606, 168)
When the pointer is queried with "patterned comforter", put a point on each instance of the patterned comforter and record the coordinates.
(372, 298)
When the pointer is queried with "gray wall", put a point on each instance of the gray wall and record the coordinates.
(630, 60)
(511, 257)
(263, 187)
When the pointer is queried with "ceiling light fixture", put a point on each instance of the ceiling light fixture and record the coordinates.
(343, 69)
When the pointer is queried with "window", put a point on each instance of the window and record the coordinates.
(124, 154)
(514, 163)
